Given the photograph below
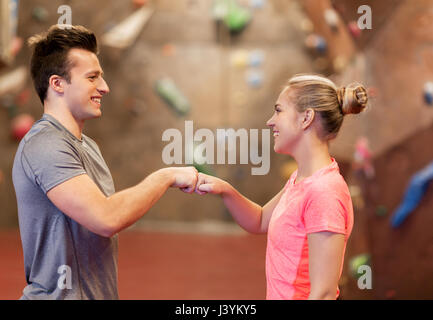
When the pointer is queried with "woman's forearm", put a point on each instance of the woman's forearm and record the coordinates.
(244, 211)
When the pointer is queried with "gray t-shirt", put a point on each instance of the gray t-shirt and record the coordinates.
(62, 259)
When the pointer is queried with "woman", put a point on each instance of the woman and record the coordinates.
(310, 220)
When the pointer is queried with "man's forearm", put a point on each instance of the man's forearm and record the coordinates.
(129, 205)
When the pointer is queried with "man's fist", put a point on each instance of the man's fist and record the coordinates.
(184, 178)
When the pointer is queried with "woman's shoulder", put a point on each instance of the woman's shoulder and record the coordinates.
(330, 183)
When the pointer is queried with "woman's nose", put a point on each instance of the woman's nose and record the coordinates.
(270, 122)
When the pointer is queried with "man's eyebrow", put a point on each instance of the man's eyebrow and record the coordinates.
(97, 72)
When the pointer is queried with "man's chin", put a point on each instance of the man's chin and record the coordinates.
(97, 114)
(94, 115)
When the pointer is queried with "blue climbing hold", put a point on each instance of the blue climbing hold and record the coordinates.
(428, 93)
(414, 193)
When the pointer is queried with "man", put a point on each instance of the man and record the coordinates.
(69, 213)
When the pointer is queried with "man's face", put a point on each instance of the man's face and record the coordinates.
(84, 92)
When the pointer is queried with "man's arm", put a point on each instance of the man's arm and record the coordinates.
(81, 200)
(325, 258)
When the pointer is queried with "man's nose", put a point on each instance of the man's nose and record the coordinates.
(103, 87)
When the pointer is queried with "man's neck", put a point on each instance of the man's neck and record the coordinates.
(65, 117)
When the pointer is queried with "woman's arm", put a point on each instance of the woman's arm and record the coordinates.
(249, 215)
(325, 251)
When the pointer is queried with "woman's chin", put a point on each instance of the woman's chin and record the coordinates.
(278, 149)
(281, 150)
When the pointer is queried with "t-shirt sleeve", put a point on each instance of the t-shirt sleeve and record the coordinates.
(326, 210)
(50, 160)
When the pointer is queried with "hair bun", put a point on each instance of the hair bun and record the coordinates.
(352, 99)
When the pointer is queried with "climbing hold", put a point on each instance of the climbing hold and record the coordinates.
(316, 42)
(256, 58)
(237, 18)
(40, 14)
(168, 50)
(168, 91)
(428, 93)
(257, 4)
(126, 32)
(358, 261)
(20, 125)
(331, 18)
(14, 81)
(362, 158)
(381, 211)
(239, 58)
(354, 29)
(232, 14)
(139, 3)
(414, 192)
(254, 78)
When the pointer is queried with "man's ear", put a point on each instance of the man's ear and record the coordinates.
(308, 118)
(57, 83)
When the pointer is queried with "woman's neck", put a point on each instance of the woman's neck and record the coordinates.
(311, 158)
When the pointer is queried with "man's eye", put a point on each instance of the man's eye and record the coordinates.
(92, 77)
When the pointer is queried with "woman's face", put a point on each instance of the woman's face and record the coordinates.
(285, 124)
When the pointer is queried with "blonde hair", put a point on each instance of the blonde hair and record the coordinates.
(329, 101)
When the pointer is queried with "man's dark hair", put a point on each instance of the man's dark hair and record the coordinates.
(50, 53)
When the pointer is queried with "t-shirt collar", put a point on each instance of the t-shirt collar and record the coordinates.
(333, 166)
(57, 123)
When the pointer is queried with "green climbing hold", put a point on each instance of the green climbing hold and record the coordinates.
(40, 14)
(381, 211)
(358, 261)
(234, 16)
(168, 91)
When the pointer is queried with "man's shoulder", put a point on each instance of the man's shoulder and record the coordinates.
(40, 130)
(43, 137)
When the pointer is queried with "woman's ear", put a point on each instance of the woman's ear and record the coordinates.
(308, 118)
(56, 83)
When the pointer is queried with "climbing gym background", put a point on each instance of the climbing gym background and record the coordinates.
(221, 64)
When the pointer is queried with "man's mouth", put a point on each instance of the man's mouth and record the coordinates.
(276, 133)
(96, 100)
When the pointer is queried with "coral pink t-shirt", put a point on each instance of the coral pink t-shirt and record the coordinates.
(320, 202)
